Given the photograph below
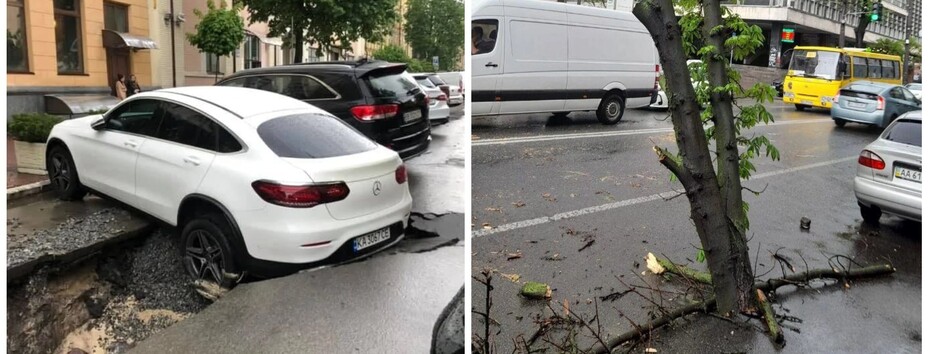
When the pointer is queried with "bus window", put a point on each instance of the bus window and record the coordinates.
(815, 63)
(887, 69)
(861, 67)
(844, 71)
(874, 68)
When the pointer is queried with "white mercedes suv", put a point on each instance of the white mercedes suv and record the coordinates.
(257, 182)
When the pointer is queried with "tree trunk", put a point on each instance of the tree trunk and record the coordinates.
(297, 45)
(726, 155)
(694, 167)
(860, 31)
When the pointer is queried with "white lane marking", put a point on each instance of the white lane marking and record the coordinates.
(634, 201)
(530, 139)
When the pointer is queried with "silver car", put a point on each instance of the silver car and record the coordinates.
(890, 171)
(872, 103)
(438, 100)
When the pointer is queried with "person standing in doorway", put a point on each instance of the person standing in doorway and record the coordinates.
(133, 87)
(120, 88)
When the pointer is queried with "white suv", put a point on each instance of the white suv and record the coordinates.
(258, 182)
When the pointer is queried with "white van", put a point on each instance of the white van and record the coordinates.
(534, 56)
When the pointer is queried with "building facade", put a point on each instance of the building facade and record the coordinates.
(66, 54)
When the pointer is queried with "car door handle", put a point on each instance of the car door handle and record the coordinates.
(192, 160)
(131, 144)
(491, 65)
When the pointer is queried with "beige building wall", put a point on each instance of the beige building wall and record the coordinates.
(161, 60)
(193, 66)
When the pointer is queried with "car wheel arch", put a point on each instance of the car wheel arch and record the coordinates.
(55, 142)
(194, 202)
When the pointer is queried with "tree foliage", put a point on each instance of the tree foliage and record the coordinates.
(894, 47)
(396, 54)
(220, 31)
(328, 23)
(436, 28)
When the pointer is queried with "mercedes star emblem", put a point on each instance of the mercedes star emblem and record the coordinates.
(376, 189)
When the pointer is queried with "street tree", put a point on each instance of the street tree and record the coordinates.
(219, 32)
(328, 23)
(396, 54)
(436, 28)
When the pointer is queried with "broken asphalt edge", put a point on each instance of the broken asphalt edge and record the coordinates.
(23, 270)
(26, 190)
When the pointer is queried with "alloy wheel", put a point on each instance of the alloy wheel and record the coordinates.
(59, 173)
(204, 257)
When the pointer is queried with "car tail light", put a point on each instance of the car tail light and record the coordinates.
(835, 99)
(656, 80)
(305, 196)
(442, 98)
(367, 113)
(401, 174)
(880, 106)
(870, 159)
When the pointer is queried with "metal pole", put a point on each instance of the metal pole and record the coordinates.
(843, 6)
(172, 23)
(906, 56)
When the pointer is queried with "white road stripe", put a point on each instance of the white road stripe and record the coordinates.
(634, 201)
(530, 139)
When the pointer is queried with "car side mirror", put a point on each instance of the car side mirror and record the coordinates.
(98, 124)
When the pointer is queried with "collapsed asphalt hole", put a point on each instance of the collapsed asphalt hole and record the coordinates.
(106, 303)
(427, 232)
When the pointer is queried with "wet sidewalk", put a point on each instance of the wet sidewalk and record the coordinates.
(18, 183)
(386, 304)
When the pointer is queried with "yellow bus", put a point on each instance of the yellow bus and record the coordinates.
(817, 73)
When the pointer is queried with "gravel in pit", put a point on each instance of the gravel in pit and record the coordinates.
(150, 291)
(72, 234)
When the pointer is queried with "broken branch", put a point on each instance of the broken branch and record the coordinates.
(776, 333)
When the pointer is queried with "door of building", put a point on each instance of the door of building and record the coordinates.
(118, 62)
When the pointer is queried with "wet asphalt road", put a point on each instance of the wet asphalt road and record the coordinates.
(545, 188)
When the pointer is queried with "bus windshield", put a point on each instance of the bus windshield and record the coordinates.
(817, 64)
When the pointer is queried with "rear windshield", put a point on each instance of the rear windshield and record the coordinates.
(908, 132)
(850, 92)
(425, 82)
(312, 136)
(400, 85)
(436, 80)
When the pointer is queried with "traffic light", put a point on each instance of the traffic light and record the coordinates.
(876, 11)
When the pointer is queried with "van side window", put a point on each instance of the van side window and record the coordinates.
(483, 36)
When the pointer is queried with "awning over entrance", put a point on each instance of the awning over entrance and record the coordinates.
(268, 40)
(120, 40)
(78, 104)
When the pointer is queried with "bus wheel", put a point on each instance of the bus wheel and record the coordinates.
(800, 107)
(611, 108)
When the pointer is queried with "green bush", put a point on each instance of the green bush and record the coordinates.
(32, 127)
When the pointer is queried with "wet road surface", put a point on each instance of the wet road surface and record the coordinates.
(583, 203)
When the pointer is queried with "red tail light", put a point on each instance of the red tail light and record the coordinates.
(442, 98)
(870, 159)
(301, 196)
(835, 99)
(401, 174)
(880, 106)
(369, 113)
(656, 80)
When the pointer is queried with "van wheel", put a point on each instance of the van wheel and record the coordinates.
(208, 257)
(839, 122)
(800, 107)
(611, 109)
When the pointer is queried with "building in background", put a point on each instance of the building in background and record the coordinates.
(64, 56)
(397, 35)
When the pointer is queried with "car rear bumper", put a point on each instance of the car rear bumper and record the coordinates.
(270, 238)
(440, 111)
(890, 199)
(456, 100)
(875, 117)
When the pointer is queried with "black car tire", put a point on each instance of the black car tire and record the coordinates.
(800, 107)
(611, 109)
(839, 122)
(206, 253)
(870, 214)
(63, 175)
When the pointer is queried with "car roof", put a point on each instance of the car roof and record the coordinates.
(869, 86)
(915, 115)
(243, 102)
(357, 67)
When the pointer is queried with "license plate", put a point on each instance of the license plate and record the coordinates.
(908, 174)
(857, 104)
(373, 238)
(805, 102)
(412, 115)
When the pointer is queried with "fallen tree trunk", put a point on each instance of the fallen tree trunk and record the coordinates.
(769, 285)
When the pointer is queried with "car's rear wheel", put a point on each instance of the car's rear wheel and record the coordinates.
(800, 107)
(870, 214)
(207, 255)
(63, 175)
(839, 122)
(611, 109)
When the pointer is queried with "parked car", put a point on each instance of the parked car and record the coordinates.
(377, 98)
(257, 182)
(872, 103)
(916, 89)
(557, 57)
(890, 171)
(456, 87)
(438, 100)
(437, 81)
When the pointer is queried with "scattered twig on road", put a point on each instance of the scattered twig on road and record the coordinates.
(756, 192)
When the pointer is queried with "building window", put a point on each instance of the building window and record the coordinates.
(212, 63)
(68, 37)
(251, 52)
(115, 17)
(17, 61)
